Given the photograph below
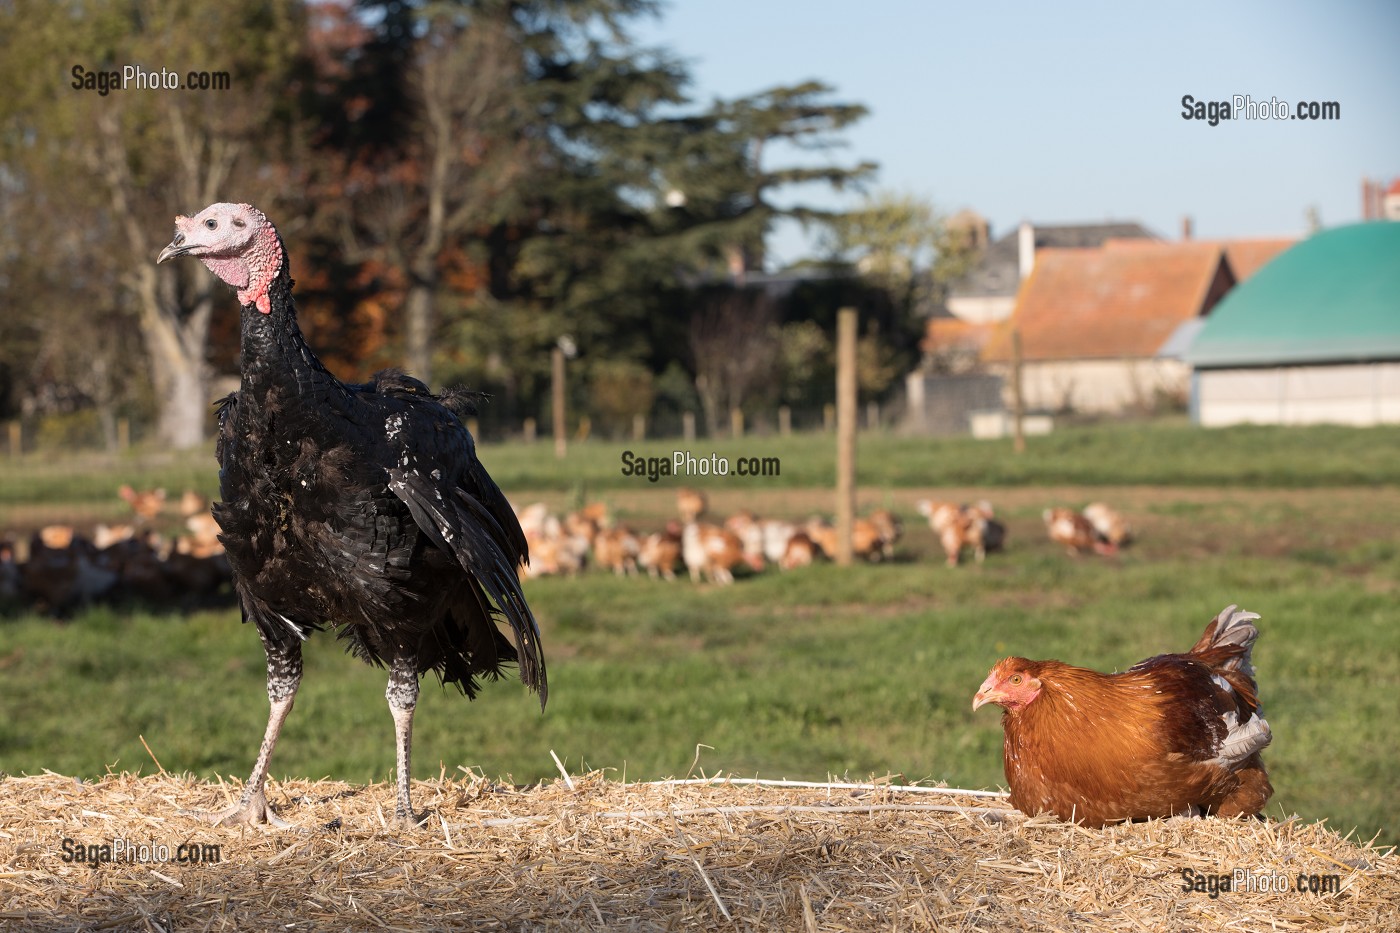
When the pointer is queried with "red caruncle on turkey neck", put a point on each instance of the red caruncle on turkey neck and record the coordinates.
(252, 271)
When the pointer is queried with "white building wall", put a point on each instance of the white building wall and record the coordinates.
(1361, 394)
(1100, 386)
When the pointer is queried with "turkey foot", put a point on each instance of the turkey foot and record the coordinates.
(250, 810)
(411, 819)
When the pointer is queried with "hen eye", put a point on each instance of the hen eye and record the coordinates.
(1016, 681)
(211, 223)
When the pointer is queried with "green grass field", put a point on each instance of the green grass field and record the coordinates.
(1166, 453)
(822, 671)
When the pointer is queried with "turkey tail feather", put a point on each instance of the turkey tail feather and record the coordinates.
(464, 528)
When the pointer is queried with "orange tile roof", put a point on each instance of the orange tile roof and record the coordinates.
(1111, 303)
(952, 333)
(1247, 257)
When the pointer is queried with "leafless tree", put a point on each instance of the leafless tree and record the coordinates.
(735, 345)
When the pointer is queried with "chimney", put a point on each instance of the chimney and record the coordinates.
(1026, 242)
(1186, 230)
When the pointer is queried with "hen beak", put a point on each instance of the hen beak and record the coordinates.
(987, 693)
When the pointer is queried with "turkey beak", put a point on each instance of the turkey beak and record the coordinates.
(177, 247)
(181, 244)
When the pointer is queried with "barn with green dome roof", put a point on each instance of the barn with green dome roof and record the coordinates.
(1314, 336)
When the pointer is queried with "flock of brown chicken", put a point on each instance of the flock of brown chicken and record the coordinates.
(713, 550)
(59, 569)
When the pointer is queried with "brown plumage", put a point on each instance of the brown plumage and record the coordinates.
(146, 503)
(1175, 734)
(1075, 533)
(661, 552)
(691, 503)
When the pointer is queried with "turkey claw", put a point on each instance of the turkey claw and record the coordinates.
(249, 811)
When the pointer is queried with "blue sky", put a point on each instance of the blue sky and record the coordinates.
(1071, 111)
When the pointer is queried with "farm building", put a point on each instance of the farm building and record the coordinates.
(988, 292)
(1094, 322)
(1314, 337)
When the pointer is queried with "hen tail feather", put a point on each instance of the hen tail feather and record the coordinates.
(1225, 645)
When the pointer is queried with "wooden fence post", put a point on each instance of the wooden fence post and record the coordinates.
(560, 441)
(1018, 399)
(845, 433)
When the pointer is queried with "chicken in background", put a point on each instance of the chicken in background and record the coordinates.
(105, 536)
(747, 527)
(617, 549)
(147, 503)
(800, 551)
(63, 571)
(985, 532)
(1108, 523)
(890, 528)
(949, 524)
(192, 503)
(552, 550)
(711, 552)
(140, 569)
(868, 540)
(661, 552)
(691, 504)
(203, 538)
(1177, 734)
(823, 534)
(964, 526)
(1075, 533)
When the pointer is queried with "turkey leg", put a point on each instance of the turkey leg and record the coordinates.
(283, 676)
(402, 694)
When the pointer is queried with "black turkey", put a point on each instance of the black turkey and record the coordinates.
(361, 507)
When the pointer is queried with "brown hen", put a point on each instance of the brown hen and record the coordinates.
(1175, 734)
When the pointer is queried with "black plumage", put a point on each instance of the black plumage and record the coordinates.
(359, 507)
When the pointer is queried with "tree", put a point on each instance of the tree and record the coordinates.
(735, 346)
(118, 166)
(495, 142)
(712, 174)
(902, 244)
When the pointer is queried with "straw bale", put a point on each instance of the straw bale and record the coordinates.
(604, 855)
